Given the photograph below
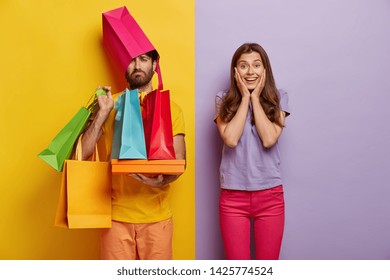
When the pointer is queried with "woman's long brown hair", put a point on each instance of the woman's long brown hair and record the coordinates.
(269, 98)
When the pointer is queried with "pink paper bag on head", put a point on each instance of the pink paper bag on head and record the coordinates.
(124, 39)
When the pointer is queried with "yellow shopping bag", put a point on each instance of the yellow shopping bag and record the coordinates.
(85, 195)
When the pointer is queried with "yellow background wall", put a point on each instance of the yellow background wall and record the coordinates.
(52, 60)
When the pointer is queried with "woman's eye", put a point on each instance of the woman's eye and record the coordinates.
(243, 66)
(257, 65)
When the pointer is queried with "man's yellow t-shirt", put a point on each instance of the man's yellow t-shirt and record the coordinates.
(132, 201)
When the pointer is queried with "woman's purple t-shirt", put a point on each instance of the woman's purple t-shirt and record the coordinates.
(249, 166)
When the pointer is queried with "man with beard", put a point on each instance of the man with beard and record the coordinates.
(142, 224)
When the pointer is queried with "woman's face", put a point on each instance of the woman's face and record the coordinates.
(250, 68)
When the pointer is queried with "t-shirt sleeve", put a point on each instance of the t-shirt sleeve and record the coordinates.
(218, 101)
(284, 106)
(177, 119)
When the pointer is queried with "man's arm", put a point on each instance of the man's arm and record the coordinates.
(94, 131)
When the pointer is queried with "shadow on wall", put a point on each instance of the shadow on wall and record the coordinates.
(116, 77)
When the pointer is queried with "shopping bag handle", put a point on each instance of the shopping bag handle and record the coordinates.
(79, 151)
(158, 71)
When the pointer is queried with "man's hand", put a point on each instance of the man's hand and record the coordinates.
(161, 180)
(105, 102)
(155, 181)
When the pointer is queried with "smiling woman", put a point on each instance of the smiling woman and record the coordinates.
(250, 119)
(252, 62)
(250, 70)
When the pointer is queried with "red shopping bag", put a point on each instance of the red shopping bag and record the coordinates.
(124, 39)
(157, 121)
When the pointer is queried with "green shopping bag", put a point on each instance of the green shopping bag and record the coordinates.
(61, 147)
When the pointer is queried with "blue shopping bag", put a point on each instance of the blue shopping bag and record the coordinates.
(129, 138)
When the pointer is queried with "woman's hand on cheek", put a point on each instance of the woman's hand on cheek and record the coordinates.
(240, 84)
(259, 87)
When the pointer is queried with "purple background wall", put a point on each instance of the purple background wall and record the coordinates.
(333, 58)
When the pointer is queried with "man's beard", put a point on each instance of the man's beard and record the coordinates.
(136, 81)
